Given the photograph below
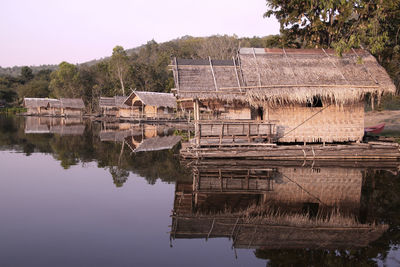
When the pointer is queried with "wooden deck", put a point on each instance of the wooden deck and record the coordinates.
(363, 151)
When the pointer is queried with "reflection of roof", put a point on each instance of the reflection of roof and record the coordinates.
(76, 103)
(155, 99)
(115, 136)
(273, 235)
(68, 129)
(158, 143)
(39, 102)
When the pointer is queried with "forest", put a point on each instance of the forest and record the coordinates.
(342, 25)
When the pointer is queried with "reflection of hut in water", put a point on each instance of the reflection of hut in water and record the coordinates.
(151, 104)
(39, 106)
(273, 206)
(61, 126)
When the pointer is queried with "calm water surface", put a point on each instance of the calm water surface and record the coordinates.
(79, 194)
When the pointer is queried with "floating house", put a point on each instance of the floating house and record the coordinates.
(115, 107)
(280, 95)
(40, 106)
(152, 104)
(108, 106)
(72, 107)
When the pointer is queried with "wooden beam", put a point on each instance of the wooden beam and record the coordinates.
(237, 76)
(213, 74)
(298, 85)
(258, 69)
(177, 74)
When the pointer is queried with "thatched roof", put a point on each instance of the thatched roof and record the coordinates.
(107, 102)
(158, 143)
(283, 75)
(75, 103)
(153, 99)
(39, 102)
(113, 102)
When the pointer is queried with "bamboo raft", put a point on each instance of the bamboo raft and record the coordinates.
(371, 151)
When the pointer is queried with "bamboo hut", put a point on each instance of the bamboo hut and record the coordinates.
(152, 104)
(108, 106)
(115, 106)
(72, 107)
(40, 106)
(292, 95)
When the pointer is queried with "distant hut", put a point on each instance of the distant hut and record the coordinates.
(40, 106)
(107, 106)
(73, 107)
(115, 106)
(152, 104)
(304, 95)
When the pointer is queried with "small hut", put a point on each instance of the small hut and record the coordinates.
(73, 107)
(40, 106)
(152, 104)
(107, 106)
(289, 95)
(115, 106)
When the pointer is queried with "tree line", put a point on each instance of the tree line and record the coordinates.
(342, 25)
(144, 68)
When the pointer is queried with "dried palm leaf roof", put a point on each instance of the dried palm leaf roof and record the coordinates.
(279, 76)
(39, 102)
(75, 103)
(154, 99)
(113, 102)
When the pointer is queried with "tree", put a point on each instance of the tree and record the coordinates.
(335, 23)
(65, 81)
(26, 74)
(119, 64)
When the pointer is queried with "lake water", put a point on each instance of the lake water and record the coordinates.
(76, 193)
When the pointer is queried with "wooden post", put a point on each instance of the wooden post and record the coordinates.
(196, 122)
(237, 76)
(372, 102)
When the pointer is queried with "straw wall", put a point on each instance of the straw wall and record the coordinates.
(124, 112)
(236, 114)
(332, 124)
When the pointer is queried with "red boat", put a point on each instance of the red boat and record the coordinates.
(377, 129)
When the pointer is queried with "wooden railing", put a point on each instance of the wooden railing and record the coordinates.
(227, 132)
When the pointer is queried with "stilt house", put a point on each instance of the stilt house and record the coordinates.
(286, 95)
(152, 104)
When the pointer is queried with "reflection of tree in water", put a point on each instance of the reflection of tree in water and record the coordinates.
(75, 149)
(120, 176)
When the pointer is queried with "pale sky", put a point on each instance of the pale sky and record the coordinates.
(35, 32)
